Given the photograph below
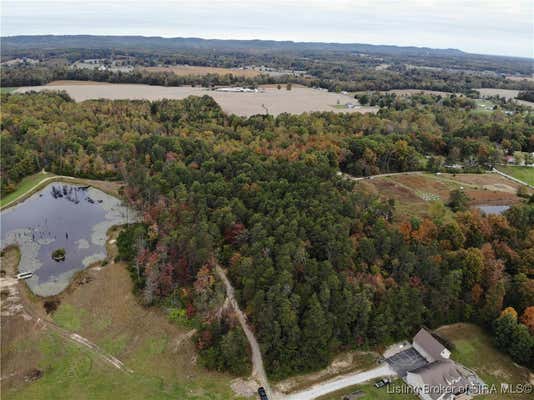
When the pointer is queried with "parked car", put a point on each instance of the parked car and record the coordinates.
(263, 395)
(382, 383)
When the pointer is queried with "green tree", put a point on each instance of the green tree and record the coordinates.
(315, 334)
(458, 200)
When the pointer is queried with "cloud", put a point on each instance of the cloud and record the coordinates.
(485, 26)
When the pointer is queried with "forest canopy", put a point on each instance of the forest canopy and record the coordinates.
(320, 263)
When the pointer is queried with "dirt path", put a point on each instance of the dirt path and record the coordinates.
(258, 371)
(341, 382)
(81, 341)
(360, 178)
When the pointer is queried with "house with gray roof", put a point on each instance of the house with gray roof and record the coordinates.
(429, 347)
(441, 380)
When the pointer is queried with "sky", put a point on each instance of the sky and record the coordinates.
(504, 27)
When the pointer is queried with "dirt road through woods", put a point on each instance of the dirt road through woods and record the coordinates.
(258, 371)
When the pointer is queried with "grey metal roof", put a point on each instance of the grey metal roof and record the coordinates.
(429, 344)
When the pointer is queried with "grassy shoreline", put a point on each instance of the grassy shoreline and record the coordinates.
(26, 185)
(31, 184)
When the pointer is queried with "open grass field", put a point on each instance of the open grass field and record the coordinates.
(268, 99)
(415, 193)
(7, 89)
(184, 70)
(25, 185)
(475, 350)
(372, 393)
(101, 307)
(525, 174)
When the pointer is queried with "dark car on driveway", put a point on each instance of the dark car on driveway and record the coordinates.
(263, 395)
(382, 383)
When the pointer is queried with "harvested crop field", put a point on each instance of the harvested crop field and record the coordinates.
(184, 70)
(268, 99)
(506, 93)
(520, 78)
(77, 83)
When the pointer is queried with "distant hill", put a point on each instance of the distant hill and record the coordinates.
(154, 43)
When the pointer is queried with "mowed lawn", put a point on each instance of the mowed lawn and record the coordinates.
(526, 174)
(474, 348)
(25, 185)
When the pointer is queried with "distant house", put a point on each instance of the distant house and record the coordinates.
(441, 380)
(429, 347)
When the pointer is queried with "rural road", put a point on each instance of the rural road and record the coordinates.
(361, 178)
(258, 371)
(341, 382)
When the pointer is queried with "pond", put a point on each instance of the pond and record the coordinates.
(61, 216)
(493, 209)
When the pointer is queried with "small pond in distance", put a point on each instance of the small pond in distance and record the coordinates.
(75, 218)
(493, 209)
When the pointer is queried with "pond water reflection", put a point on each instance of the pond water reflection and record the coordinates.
(493, 209)
(75, 218)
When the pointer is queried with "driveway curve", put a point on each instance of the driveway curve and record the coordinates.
(341, 382)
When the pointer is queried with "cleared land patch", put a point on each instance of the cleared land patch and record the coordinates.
(268, 99)
(101, 307)
(415, 193)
